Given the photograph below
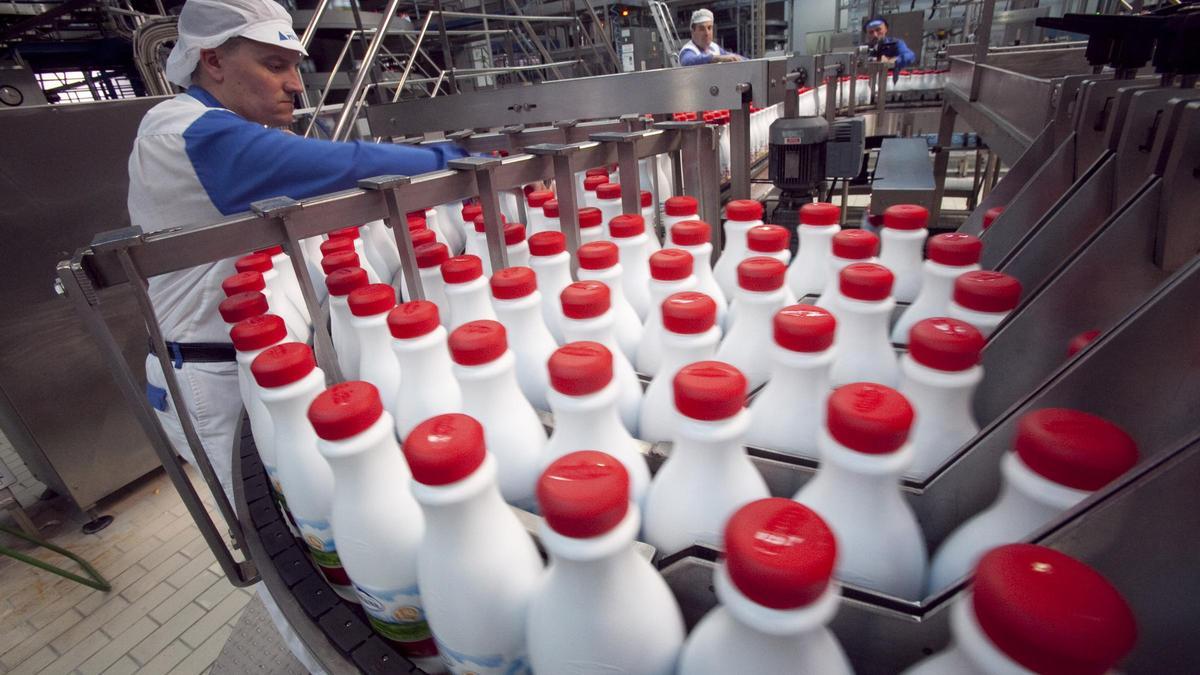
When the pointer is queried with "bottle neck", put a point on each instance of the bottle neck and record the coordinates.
(368, 463)
(942, 392)
(863, 322)
(1031, 492)
(877, 474)
(474, 499)
(597, 329)
(373, 334)
(678, 350)
(777, 622)
(553, 272)
(759, 304)
(611, 278)
(801, 372)
(584, 413)
(701, 258)
(975, 645)
(661, 290)
(490, 383)
(710, 443)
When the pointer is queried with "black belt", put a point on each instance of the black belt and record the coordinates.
(199, 352)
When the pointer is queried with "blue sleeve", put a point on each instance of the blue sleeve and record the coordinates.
(239, 162)
(906, 56)
(688, 57)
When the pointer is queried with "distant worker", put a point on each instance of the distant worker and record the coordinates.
(701, 49)
(888, 49)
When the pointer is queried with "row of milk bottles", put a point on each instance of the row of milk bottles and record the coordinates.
(482, 590)
(585, 308)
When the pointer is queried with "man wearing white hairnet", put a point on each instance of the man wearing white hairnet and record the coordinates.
(209, 153)
(701, 49)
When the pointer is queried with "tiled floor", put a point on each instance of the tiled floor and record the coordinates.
(171, 608)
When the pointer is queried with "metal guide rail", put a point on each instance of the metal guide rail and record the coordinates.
(131, 256)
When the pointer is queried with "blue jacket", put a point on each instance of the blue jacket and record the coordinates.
(906, 57)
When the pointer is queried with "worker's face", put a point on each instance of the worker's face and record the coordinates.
(876, 33)
(255, 80)
(702, 34)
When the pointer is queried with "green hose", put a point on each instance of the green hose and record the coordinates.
(96, 581)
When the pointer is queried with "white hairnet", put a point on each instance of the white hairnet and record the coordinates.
(206, 24)
(701, 16)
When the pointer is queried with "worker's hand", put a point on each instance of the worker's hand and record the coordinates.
(888, 59)
(726, 58)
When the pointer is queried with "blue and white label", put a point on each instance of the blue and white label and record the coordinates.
(462, 663)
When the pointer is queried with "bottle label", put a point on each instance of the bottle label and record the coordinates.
(399, 617)
(318, 535)
(491, 664)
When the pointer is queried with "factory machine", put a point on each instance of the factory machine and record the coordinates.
(1096, 220)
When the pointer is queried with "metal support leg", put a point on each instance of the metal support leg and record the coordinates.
(941, 161)
(627, 162)
(398, 221)
(739, 147)
(281, 208)
(241, 573)
(489, 200)
(568, 202)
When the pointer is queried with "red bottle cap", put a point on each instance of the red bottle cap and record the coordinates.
(337, 245)
(340, 260)
(596, 171)
(550, 208)
(647, 198)
(945, 344)
(271, 250)
(709, 390)
(598, 255)
(865, 281)
(431, 255)
(243, 282)
(744, 210)
(761, 274)
(767, 238)
(417, 223)
(254, 262)
(242, 306)
(413, 319)
(345, 410)
(670, 264)
(1080, 341)
(608, 191)
(342, 282)
(691, 233)
(986, 291)
(688, 313)
(282, 364)
(478, 342)
(804, 328)
(778, 553)
(350, 232)
(1074, 448)
(591, 183)
(462, 268)
(590, 217)
(905, 217)
(470, 211)
(585, 299)
(584, 494)
(514, 233)
(511, 283)
(681, 206)
(954, 249)
(422, 237)
(1049, 612)
(869, 418)
(626, 225)
(547, 243)
(580, 368)
(820, 213)
(991, 215)
(372, 299)
(444, 449)
(538, 198)
(855, 244)
(257, 332)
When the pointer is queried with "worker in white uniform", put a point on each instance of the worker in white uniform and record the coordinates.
(701, 49)
(209, 153)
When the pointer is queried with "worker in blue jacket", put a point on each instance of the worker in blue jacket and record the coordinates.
(209, 153)
(891, 50)
(701, 49)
